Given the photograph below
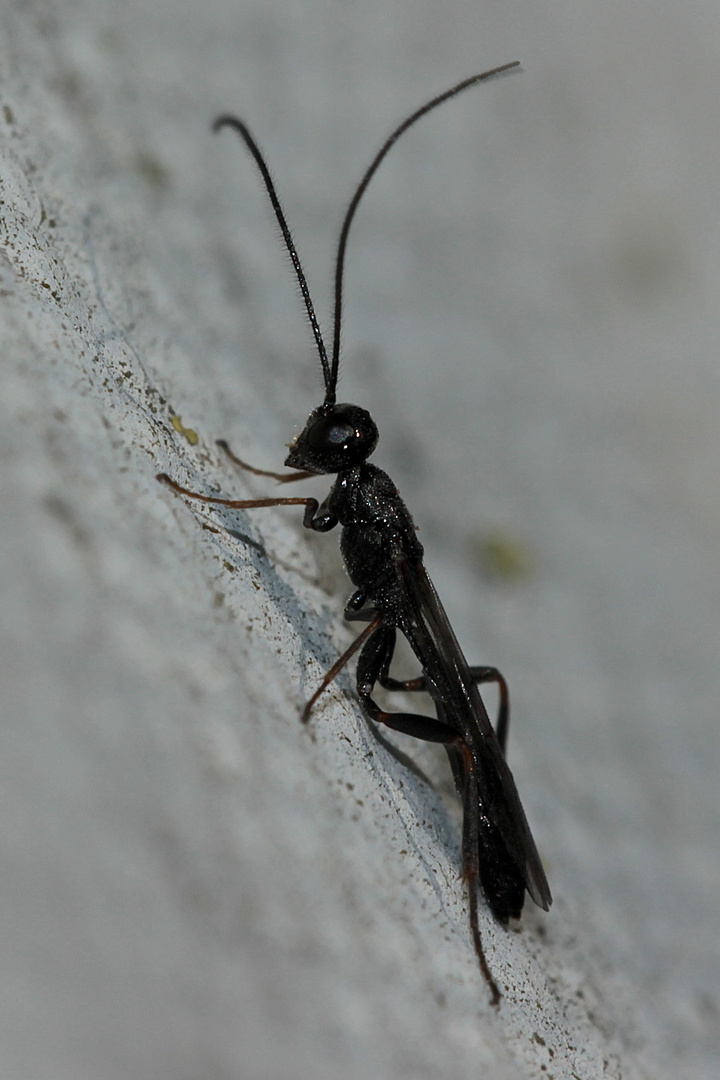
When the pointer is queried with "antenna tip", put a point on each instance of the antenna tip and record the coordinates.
(226, 121)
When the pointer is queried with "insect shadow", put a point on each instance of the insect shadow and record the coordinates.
(384, 560)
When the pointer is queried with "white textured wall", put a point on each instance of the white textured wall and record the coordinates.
(192, 886)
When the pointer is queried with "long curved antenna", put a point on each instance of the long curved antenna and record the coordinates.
(241, 128)
(331, 383)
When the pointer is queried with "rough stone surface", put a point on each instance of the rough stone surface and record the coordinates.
(193, 885)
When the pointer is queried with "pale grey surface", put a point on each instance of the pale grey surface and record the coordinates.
(192, 887)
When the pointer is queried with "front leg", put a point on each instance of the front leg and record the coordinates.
(309, 516)
(317, 517)
(282, 478)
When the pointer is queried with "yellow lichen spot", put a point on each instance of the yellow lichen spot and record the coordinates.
(190, 435)
(502, 556)
(152, 170)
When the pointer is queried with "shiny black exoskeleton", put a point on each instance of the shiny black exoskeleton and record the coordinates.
(384, 560)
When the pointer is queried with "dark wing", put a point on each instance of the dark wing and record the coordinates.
(431, 636)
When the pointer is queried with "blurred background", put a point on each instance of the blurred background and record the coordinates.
(531, 317)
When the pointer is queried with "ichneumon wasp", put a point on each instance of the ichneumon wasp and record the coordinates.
(384, 560)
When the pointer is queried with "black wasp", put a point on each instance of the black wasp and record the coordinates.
(384, 560)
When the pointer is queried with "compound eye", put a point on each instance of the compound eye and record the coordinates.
(331, 434)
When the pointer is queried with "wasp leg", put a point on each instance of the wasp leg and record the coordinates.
(502, 724)
(282, 478)
(471, 868)
(372, 667)
(339, 664)
(479, 674)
